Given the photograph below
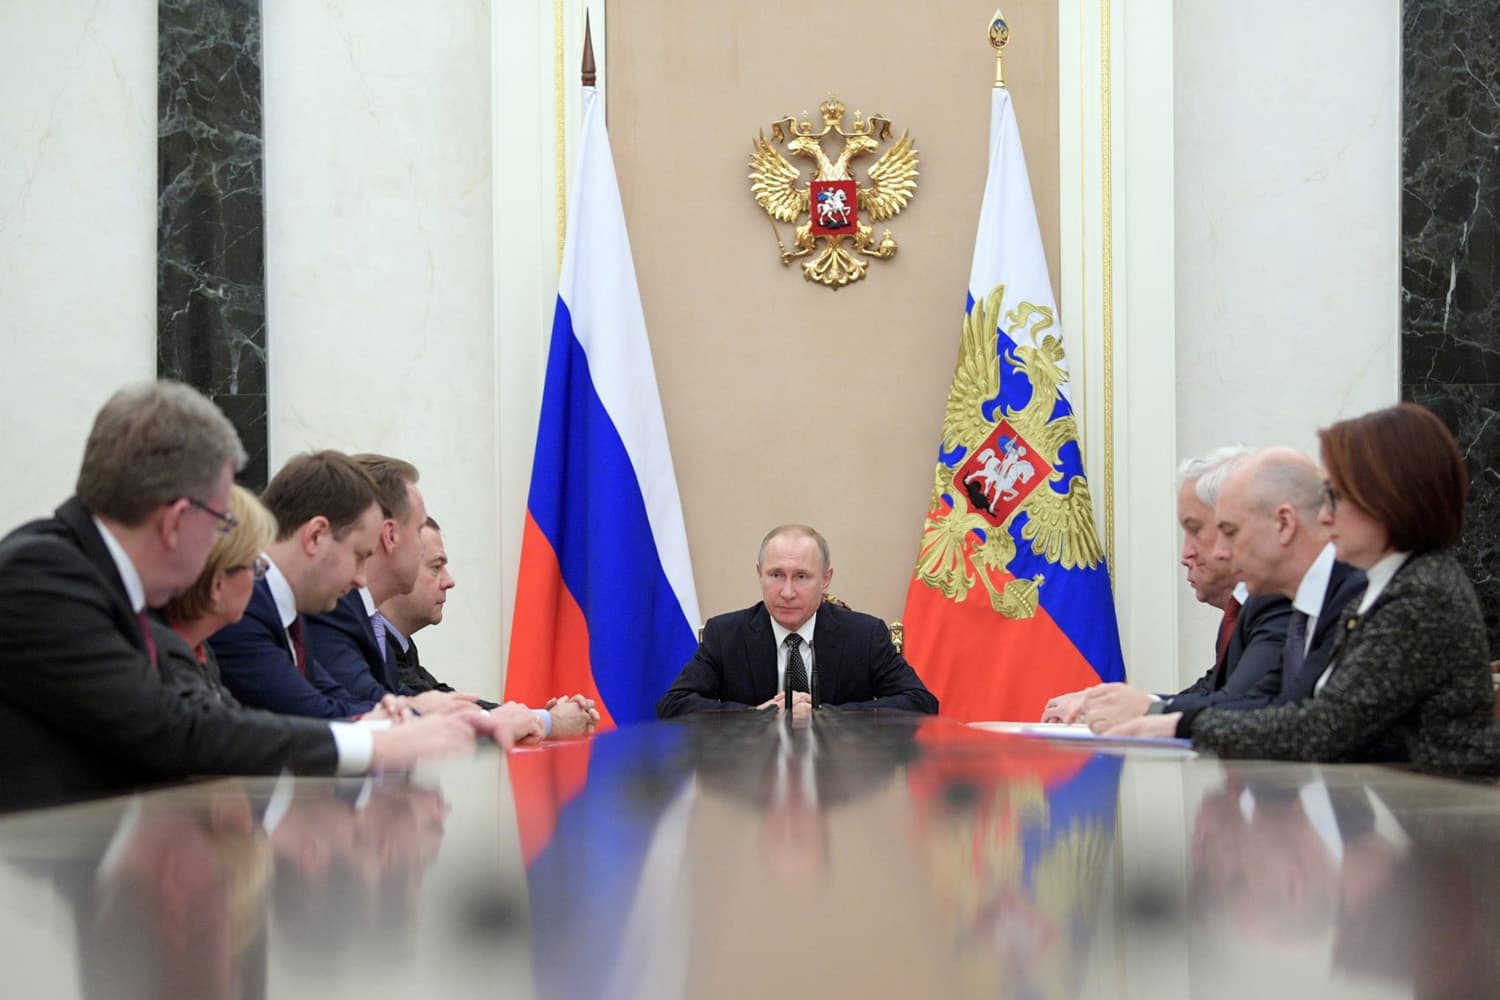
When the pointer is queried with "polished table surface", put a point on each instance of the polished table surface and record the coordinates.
(858, 856)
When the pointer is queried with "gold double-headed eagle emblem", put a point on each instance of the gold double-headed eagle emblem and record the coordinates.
(832, 200)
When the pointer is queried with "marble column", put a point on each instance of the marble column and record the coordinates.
(211, 288)
(1450, 321)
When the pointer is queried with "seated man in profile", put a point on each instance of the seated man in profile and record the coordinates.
(745, 656)
(1252, 631)
(406, 614)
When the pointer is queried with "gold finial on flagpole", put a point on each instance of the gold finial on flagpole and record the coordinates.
(999, 35)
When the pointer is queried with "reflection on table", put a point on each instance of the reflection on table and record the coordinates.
(728, 855)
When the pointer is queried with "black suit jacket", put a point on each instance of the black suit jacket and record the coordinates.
(853, 659)
(343, 641)
(1345, 584)
(416, 677)
(83, 712)
(1254, 650)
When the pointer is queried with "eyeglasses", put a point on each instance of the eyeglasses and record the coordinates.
(224, 522)
(1331, 496)
(258, 568)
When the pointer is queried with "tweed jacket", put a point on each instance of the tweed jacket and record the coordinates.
(1410, 683)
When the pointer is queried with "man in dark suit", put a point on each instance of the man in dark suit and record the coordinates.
(1252, 631)
(407, 614)
(327, 523)
(1269, 532)
(85, 709)
(349, 641)
(745, 656)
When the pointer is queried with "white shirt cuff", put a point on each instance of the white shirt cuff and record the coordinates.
(356, 745)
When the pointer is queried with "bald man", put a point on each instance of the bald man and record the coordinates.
(1270, 532)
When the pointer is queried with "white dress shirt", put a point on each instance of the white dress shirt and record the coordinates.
(1312, 590)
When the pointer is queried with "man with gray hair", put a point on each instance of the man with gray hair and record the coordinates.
(86, 706)
(746, 658)
(1251, 632)
(1271, 532)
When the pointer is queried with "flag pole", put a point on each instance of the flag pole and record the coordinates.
(999, 35)
(589, 73)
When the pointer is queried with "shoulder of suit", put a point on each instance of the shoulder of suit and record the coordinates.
(851, 617)
(1266, 604)
(743, 616)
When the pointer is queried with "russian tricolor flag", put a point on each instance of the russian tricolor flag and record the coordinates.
(605, 603)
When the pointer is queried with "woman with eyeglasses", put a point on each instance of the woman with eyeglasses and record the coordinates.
(222, 591)
(1409, 677)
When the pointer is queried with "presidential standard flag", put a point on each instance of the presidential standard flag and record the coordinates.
(605, 603)
(1010, 600)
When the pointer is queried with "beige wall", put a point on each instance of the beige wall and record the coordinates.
(785, 400)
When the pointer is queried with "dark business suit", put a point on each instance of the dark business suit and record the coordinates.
(416, 677)
(258, 665)
(1345, 585)
(853, 661)
(83, 712)
(1253, 651)
(343, 642)
(1273, 685)
(1410, 683)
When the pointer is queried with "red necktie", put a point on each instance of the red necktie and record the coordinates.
(299, 651)
(140, 616)
(1226, 629)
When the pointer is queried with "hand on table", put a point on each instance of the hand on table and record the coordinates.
(1107, 705)
(801, 704)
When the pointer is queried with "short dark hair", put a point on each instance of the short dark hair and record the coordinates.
(151, 444)
(391, 477)
(319, 483)
(1401, 466)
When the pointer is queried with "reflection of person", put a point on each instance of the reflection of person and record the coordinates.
(1409, 677)
(179, 902)
(1251, 633)
(744, 656)
(350, 860)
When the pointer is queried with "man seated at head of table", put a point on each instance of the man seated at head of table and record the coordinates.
(744, 657)
(404, 615)
(85, 708)
(1408, 680)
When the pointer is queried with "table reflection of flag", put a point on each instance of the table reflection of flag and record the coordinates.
(1018, 838)
(603, 816)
